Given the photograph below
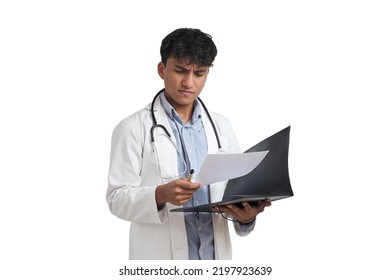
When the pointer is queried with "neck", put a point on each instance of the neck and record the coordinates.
(185, 113)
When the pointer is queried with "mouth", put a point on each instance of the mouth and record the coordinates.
(186, 92)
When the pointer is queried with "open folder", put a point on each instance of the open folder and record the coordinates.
(269, 180)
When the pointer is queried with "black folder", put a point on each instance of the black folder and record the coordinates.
(270, 180)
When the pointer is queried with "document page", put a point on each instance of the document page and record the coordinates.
(222, 167)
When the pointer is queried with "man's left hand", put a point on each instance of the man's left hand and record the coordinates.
(244, 214)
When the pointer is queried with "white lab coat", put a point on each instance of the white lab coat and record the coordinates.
(133, 178)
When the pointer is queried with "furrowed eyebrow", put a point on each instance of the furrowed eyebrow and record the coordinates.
(199, 70)
(178, 67)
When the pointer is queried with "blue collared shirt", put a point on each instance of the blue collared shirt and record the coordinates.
(191, 143)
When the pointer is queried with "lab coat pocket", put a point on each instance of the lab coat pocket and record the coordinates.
(166, 156)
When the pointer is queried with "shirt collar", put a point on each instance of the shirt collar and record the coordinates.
(173, 115)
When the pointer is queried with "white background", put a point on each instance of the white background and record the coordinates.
(71, 70)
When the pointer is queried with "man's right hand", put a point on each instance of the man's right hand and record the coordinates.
(177, 192)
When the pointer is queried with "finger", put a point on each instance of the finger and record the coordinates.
(190, 186)
(186, 192)
(265, 203)
(223, 209)
(220, 208)
(183, 200)
(235, 211)
(231, 208)
(262, 206)
(247, 206)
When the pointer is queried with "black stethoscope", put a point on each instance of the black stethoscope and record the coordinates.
(155, 124)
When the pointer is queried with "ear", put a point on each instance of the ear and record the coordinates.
(160, 70)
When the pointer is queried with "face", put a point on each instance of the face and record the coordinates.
(183, 82)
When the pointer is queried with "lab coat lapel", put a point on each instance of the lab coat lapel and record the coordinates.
(165, 146)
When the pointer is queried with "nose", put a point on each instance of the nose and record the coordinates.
(188, 79)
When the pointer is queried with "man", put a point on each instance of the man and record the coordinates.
(149, 166)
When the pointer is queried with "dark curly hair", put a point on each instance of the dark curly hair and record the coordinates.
(191, 45)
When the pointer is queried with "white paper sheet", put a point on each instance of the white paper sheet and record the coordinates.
(222, 167)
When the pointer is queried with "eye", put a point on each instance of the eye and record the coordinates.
(200, 73)
(180, 70)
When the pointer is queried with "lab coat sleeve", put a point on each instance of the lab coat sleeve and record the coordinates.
(244, 229)
(127, 198)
